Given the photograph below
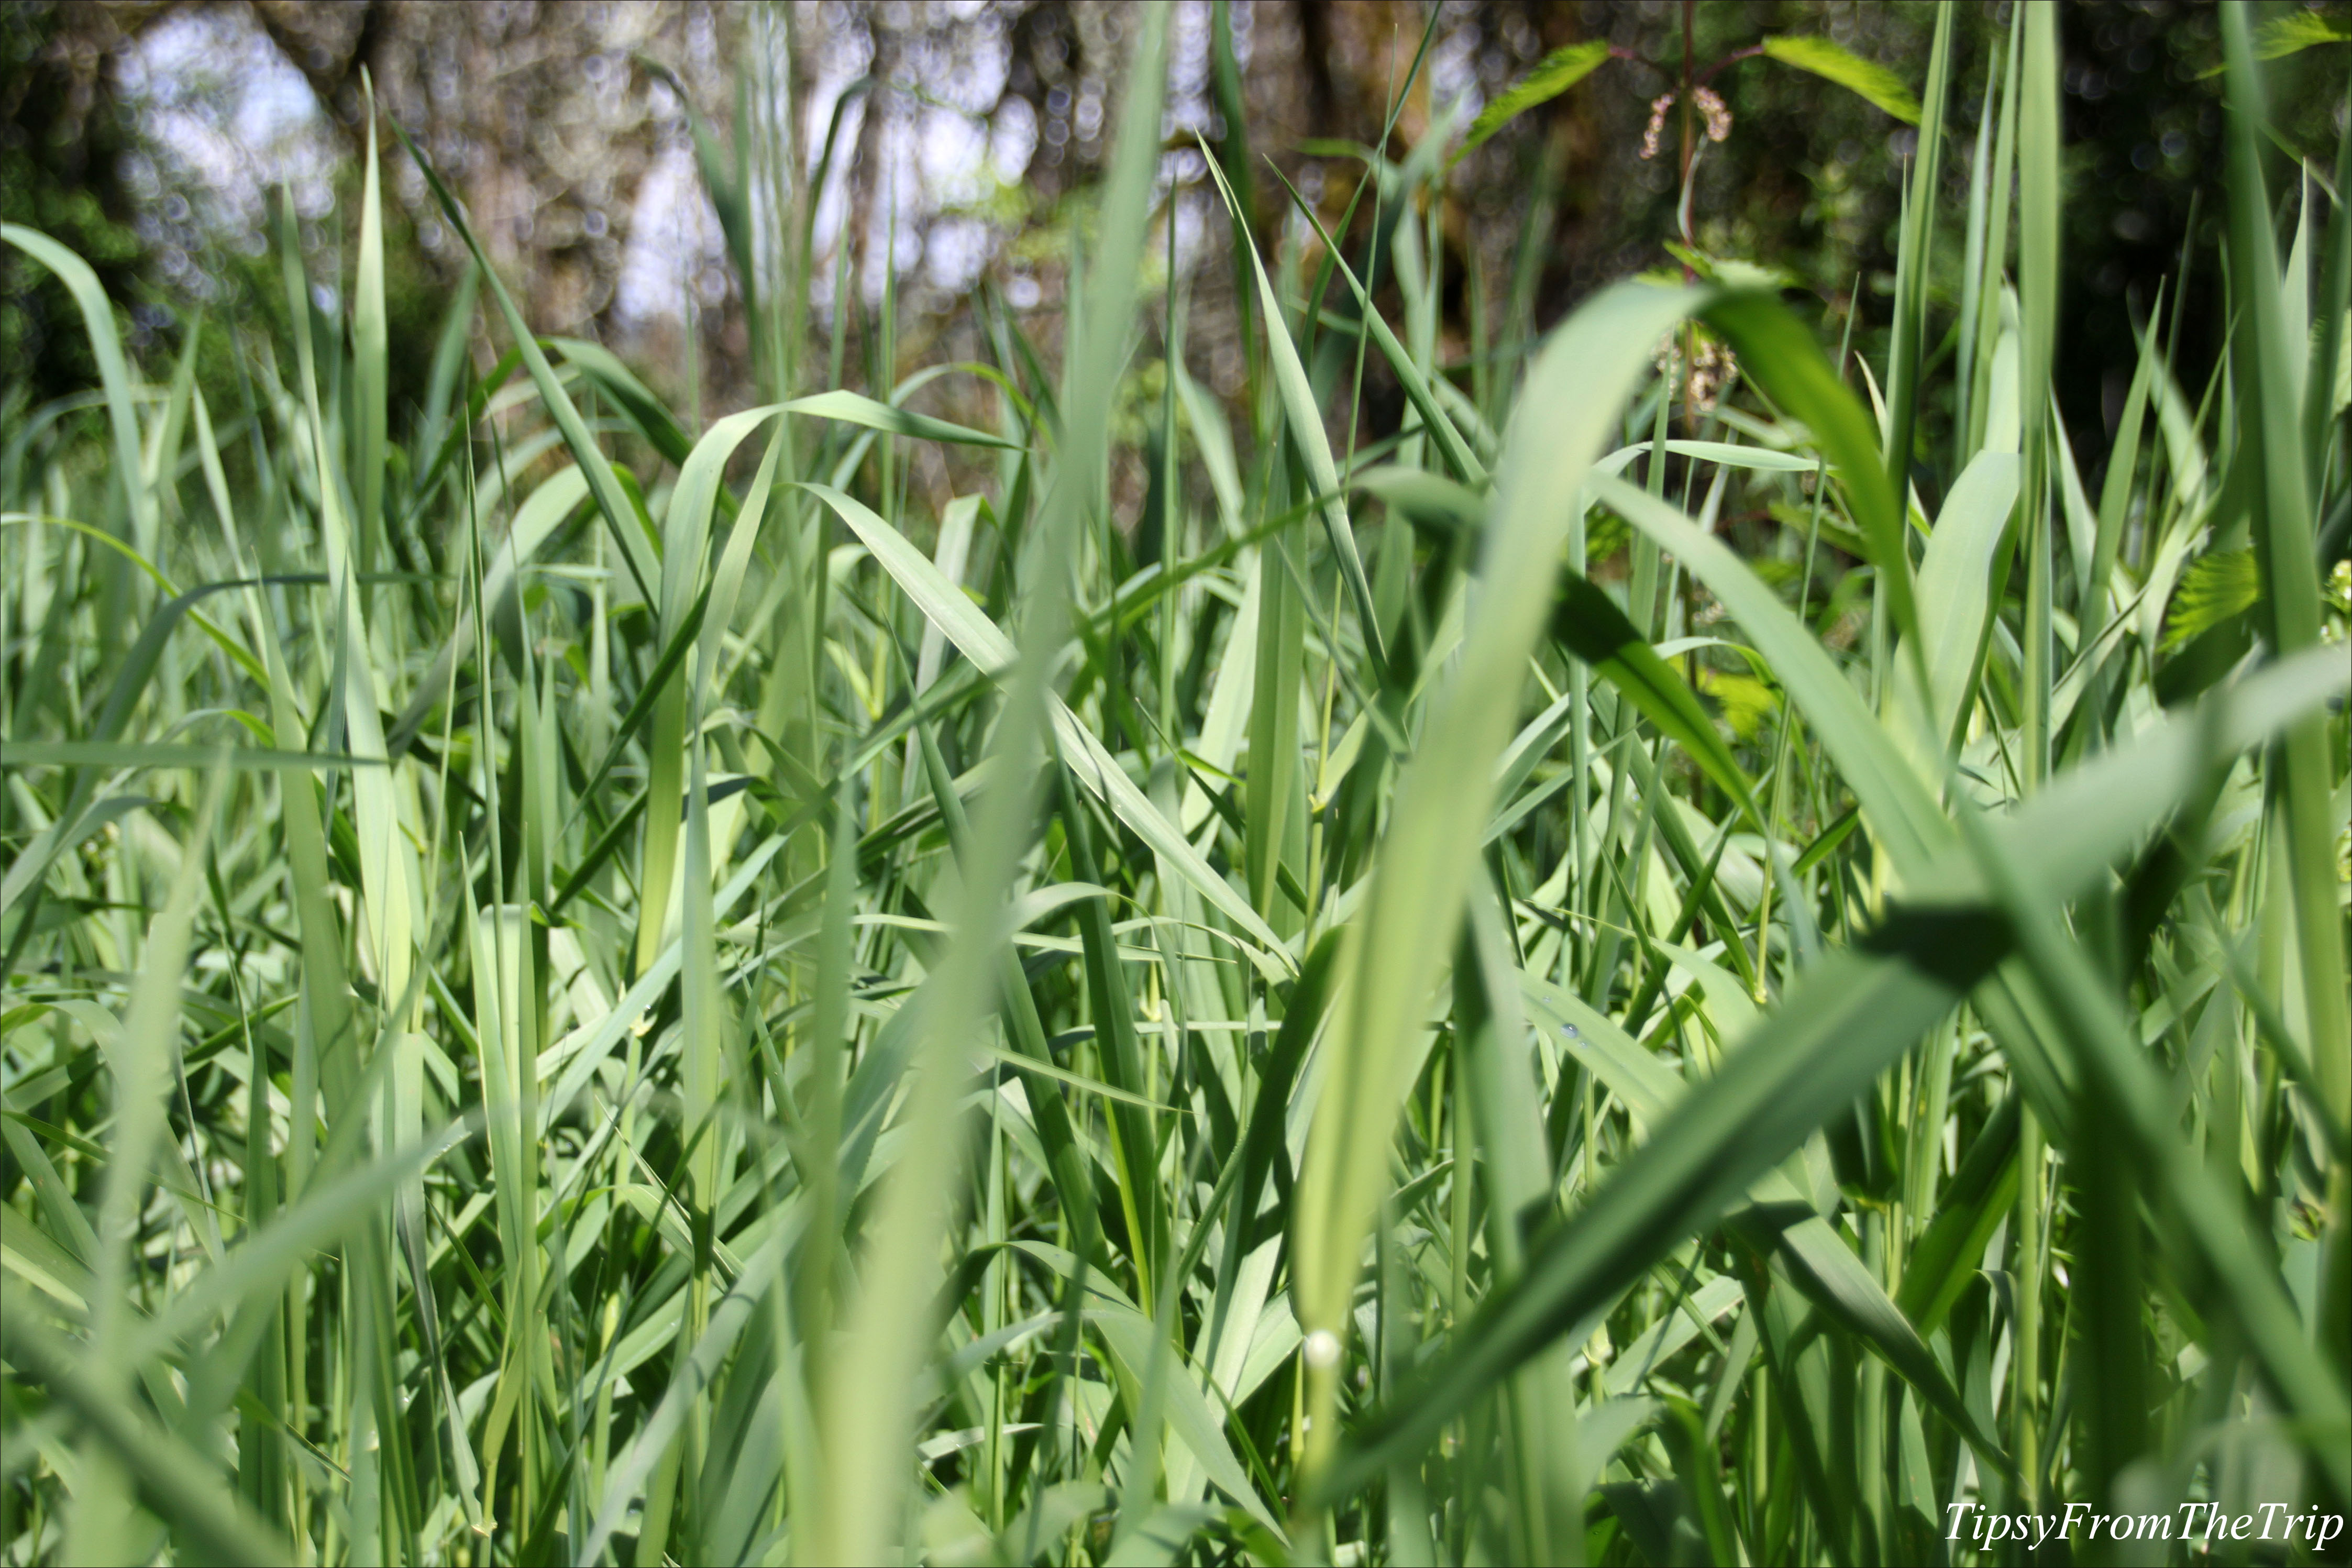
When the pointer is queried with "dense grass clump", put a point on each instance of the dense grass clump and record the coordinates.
(582, 989)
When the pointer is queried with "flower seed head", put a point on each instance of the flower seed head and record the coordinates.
(1718, 117)
(1658, 126)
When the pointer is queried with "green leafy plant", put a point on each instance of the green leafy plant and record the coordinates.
(1565, 66)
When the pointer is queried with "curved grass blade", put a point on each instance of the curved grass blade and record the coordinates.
(1406, 930)
(1305, 423)
(1955, 576)
(1901, 813)
(1844, 1021)
(686, 595)
(114, 371)
(1970, 1208)
(636, 549)
(978, 639)
(1780, 356)
(855, 408)
(176, 1482)
(1417, 387)
(1588, 624)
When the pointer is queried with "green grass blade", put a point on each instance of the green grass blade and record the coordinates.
(2038, 199)
(114, 374)
(1826, 1269)
(1944, 1261)
(1901, 813)
(1777, 351)
(1849, 1017)
(1955, 576)
(980, 641)
(1305, 420)
(2268, 366)
(371, 357)
(168, 754)
(2213, 1227)
(1915, 260)
(1588, 624)
(851, 409)
(866, 1439)
(1272, 785)
(686, 539)
(1417, 387)
(2115, 494)
(175, 1480)
(1567, 413)
(620, 517)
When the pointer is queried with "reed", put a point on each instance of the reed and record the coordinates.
(586, 989)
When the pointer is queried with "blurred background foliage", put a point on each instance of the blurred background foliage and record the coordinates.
(147, 136)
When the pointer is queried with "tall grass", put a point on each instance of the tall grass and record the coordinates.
(583, 989)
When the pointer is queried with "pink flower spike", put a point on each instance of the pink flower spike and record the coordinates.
(1718, 117)
(1657, 125)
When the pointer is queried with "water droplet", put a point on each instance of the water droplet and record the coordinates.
(1569, 1030)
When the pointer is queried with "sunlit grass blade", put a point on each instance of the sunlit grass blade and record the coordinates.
(1426, 859)
(2265, 360)
(1037, 981)
(1851, 1015)
(867, 1438)
(114, 373)
(1892, 797)
(636, 549)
